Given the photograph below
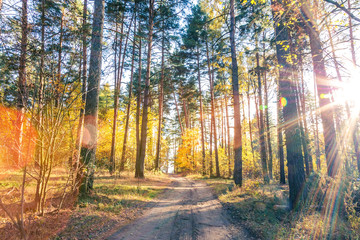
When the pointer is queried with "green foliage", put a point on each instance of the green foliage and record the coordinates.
(352, 208)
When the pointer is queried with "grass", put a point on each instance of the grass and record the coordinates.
(263, 210)
(113, 202)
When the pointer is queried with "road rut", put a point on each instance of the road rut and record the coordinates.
(188, 210)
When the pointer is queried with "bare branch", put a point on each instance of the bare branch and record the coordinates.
(347, 11)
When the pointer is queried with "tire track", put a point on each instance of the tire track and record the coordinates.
(187, 211)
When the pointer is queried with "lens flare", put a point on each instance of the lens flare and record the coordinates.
(324, 96)
(262, 107)
(17, 139)
(283, 102)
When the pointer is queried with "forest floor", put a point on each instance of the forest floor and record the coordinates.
(166, 207)
(187, 210)
(263, 210)
(113, 203)
(157, 207)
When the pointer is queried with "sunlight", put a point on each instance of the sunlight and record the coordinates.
(350, 91)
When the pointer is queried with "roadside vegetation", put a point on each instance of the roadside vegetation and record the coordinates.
(264, 211)
(113, 203)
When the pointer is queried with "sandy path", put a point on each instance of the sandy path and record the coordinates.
(188, 210)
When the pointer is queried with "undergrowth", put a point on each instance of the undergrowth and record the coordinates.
(114, 198)
(327, 210)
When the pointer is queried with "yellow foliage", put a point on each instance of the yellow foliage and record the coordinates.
(188, 154)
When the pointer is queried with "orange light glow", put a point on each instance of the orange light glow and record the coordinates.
(17, 139)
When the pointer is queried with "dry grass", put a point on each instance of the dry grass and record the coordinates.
(114, 202)
(263, 210)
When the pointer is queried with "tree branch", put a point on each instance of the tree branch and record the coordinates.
(344, 9)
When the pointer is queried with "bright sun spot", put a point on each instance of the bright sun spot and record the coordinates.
(351, 90)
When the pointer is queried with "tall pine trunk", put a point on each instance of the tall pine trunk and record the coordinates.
(120, 69)
(123, 154)
(139, 168)
(324, 92)
(235, 87)
(58, 86)
(316, 134)
(280, 139)
(178, 113)
(80, 130)
(88, 149)
(353, 55)
(267, 118)
(261, 127)
(302, 121)
(295, 162)
(250, 126)
(40, 142)
(117, 60)
(228, 135)
(161, 99)
(212, 99)
(201, 113)
(211, 147)
(138, 99)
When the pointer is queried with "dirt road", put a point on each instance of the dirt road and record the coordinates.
(188, 210)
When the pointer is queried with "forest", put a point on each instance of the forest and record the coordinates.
(179, 119)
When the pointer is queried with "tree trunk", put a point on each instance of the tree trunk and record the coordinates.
(80, 130)
(226, 142)
(303, 143)
(88, 149)
(185, 109)
(353, 55)
(22, 94)
(138, 100)
(161, 99)
(222, 122)
(235, 86)
(257, 109)
(296, 174)
(211, 146)
(280, 139)
(250, 126)
(352, 44)
(39, 150)
(317, 140)
(324, 92)
(228, 135)
(117, 93)
(270, 162)
(303, 122)
(262, 128)
(217, 169)
(123, 154)
(201, 114)
(139, 171)
(116, 96)
(179, 117)
(58, 83)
